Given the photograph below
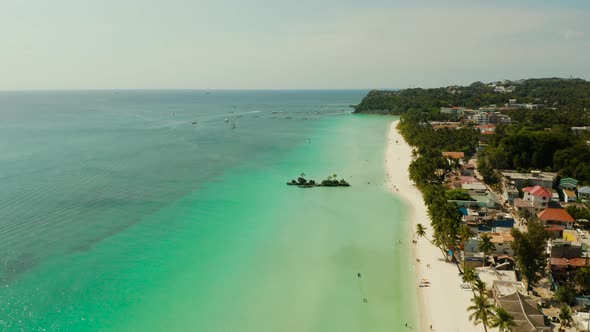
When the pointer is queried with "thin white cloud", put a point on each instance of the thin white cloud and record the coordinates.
(573, 34)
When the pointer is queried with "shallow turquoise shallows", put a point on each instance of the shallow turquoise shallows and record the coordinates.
(169, 211)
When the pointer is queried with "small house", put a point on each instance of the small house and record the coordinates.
(568, 183)
(453, 155)
(569, 195)
(468, 170)
(556, 217)
(584, 193)
(538, 196)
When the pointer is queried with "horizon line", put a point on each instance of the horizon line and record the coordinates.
(190, 89)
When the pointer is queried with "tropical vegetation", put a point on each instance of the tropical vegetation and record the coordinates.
(503, 320)
(540, 138)
(529, 250)
(537, 138)
(481, 311)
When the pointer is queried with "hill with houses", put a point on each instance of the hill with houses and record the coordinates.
(504, 169)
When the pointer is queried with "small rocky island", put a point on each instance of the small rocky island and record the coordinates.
(331, 181)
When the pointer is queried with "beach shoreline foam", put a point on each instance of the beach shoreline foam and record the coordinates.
(442, 305)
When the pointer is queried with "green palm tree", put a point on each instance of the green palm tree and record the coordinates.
(565, 316)
(481, 311)
(465, 233)
(503, 320)
(470, 277)
(479, 286)
(421, 231)
(486, 245)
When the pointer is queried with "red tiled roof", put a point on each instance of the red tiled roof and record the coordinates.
(487, 132)
(537, 191)
(453, 154)
(577, 262)
(552, 214)
(486, 126)
(559, 261)
(469, 166)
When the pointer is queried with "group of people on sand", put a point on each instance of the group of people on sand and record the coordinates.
(389, 179)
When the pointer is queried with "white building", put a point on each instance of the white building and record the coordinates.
(538, 196)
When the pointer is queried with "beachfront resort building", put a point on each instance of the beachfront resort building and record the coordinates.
(436, 125)
(480, 196)
(502, 242)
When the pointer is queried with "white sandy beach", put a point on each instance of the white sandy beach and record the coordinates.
(443, 304)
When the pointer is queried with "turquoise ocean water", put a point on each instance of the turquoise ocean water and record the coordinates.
(117, 213)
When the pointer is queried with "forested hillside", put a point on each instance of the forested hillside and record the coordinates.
(568, 100)
(536, 139)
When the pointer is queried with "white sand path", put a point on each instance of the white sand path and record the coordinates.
(443, 304)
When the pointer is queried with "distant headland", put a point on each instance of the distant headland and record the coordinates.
(570, 93)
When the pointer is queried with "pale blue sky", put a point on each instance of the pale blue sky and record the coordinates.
(256, 44)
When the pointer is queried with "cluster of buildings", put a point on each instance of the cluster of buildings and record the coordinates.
(504, 89)
(521, 196)
(504, 86)
(513, 104)
(481, 116)
(491, 114)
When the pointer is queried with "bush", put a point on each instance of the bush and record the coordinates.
(566, 294)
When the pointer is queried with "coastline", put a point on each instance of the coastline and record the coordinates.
(443, 304)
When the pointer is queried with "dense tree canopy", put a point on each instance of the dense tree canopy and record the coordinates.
(567, 100)
(529, 250)
(539, 139)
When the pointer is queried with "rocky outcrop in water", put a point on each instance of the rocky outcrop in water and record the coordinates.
(329, 182)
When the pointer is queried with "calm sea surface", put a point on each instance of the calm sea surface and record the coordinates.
(168, 211)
